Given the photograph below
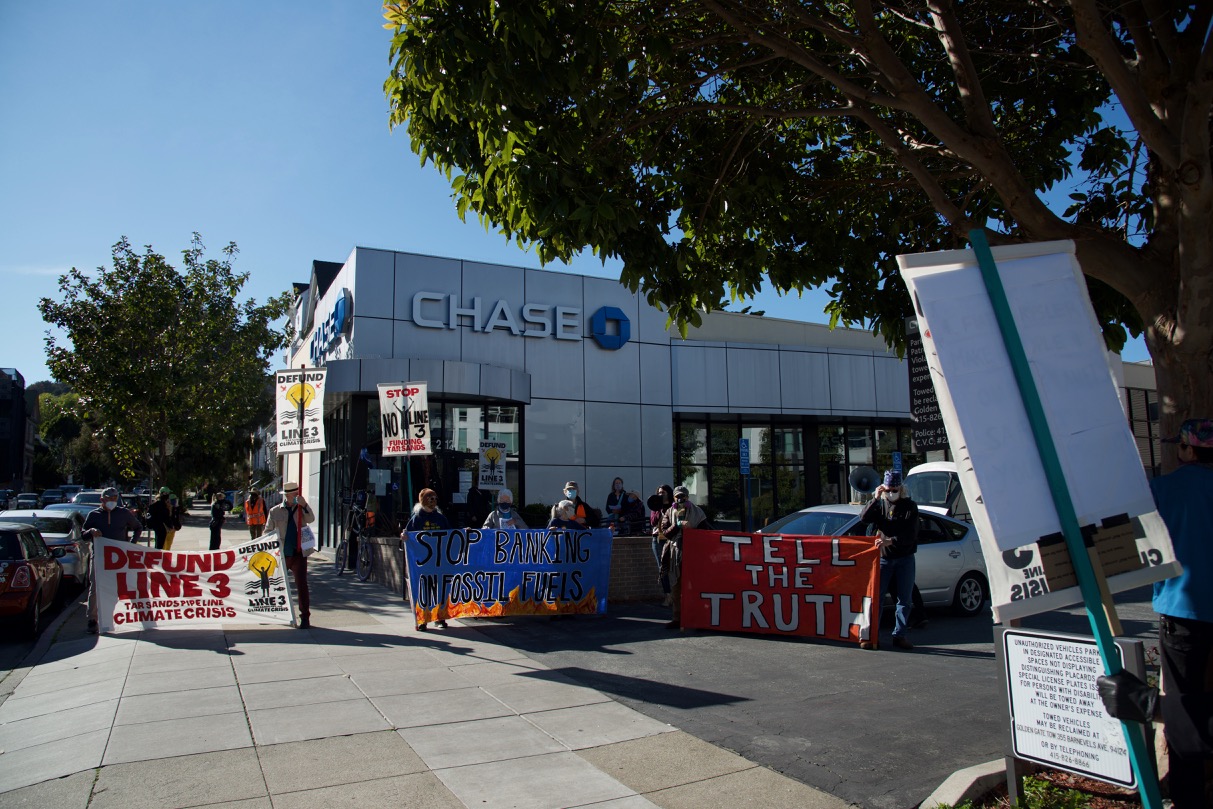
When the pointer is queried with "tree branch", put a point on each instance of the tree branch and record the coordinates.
(1099, 44)
(968, 83)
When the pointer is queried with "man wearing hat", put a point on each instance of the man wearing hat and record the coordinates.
(1185, 627)
(287, 519)
(111, 522)
(581, 512)
(895, 516)
(683, 514)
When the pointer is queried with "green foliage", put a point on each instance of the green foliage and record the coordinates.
(168, 362)
(708, 149)
(536, 515)
(1042, 794)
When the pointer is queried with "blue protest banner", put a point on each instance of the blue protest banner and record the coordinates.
(484, 573)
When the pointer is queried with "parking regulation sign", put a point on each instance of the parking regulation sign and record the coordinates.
(745, 456)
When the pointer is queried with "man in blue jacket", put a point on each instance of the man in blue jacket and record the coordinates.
(1185, 623)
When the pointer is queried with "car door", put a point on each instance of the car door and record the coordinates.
(939, 562)
(46, 568)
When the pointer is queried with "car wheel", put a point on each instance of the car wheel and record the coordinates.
(33, 619)
(970, 595)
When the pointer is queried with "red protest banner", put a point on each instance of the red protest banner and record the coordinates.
(821, 587)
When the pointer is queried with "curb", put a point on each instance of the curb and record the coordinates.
(47, 637)
(967, 784)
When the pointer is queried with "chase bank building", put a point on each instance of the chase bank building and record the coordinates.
(581, 380)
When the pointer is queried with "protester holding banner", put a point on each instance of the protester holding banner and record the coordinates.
(287, 520)
(563, 517)
(581, 510)
(683, 514)
(505, 515)
(110, 522)
(895, 517)
(427, 517)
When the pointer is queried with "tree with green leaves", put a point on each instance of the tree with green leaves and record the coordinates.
(710, 144)
(167, 360)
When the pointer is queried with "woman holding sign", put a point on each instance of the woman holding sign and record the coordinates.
(505, 515)
(427, 517)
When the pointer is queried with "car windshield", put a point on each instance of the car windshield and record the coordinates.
(10, 548)
(929, 488)
(47, 525)
(811, 523)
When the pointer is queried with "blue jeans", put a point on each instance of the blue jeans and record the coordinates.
(901, 573)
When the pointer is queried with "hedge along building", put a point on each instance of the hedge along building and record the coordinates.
(581, 380)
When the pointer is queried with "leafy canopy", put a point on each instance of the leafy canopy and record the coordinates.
(166, 359)
(709, 144)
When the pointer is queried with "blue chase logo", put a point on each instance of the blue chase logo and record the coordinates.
(600, 328)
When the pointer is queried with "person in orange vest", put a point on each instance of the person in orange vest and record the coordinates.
(254, 514)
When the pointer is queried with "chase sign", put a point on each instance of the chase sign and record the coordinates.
(331, 329)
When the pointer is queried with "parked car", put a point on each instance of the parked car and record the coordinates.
(53, 496)
(92, 497)
(29, 500)
(71, 508)
(7, 495)
(61, 531)
(950, 568)
(70, 490)
(29, 576)
(935, 486)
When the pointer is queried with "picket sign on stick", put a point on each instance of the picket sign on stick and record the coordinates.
(1096, 599)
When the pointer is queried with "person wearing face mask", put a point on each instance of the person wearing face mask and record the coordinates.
(505, 515)
(160, 517)
(895, 517)
(427, 517)
(581, 512)
(683, 514)
(110, 522)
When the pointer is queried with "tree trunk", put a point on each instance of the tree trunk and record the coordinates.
(1185, 385)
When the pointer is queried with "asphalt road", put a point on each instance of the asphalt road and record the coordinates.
(879, 729)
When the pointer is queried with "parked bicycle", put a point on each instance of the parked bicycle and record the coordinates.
(358, 524)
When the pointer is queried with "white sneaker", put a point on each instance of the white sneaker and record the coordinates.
(666, 602)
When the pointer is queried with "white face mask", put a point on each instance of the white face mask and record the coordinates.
(110, 505)
(892, 496)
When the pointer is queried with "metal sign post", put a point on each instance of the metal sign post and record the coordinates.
(744, 452)
(1083, 569)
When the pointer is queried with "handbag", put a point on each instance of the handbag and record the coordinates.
(307, 541)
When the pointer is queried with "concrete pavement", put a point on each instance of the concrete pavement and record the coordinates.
(360, 708)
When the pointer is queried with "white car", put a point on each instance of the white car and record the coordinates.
(61, 532)
(950, 570)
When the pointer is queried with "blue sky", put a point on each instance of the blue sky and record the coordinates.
(262, 123)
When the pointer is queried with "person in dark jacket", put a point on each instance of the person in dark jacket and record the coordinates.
(111, 522)
(160, 516)
(427, 517)
(895, 517)
(219, 507)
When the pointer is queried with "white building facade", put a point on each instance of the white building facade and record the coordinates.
(582, 380)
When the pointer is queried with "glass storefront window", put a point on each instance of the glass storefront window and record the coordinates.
(886, 445)
(692, 454)
(790, 490)
(859, 446)
(788, 443)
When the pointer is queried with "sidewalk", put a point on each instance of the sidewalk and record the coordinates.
(359, 710)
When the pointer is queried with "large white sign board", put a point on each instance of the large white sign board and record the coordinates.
(404, 413)
(987, 424)
(1056, 714)
(300, 398)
